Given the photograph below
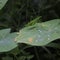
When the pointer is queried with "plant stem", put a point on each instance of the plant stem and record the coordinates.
(36, 53)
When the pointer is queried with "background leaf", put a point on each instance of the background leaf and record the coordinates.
(2, 3)
(7, 58)
(54, 45)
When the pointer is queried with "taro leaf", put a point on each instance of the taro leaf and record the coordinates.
(7, 43)
(40, 34)
(2, 3)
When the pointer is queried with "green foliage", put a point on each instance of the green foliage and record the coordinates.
(54, 45)
(40, 34)
(7, 40)
(2, 3)
(34, 33)
(7, 58)
(28, 57)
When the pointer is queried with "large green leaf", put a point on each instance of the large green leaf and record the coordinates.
(40, 34)
(2, 3)
(7, 42)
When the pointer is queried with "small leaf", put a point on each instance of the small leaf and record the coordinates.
(7, 58)
(53, 45)
(15, 51)
(2, 3)
(22, 58)
(40, 34)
